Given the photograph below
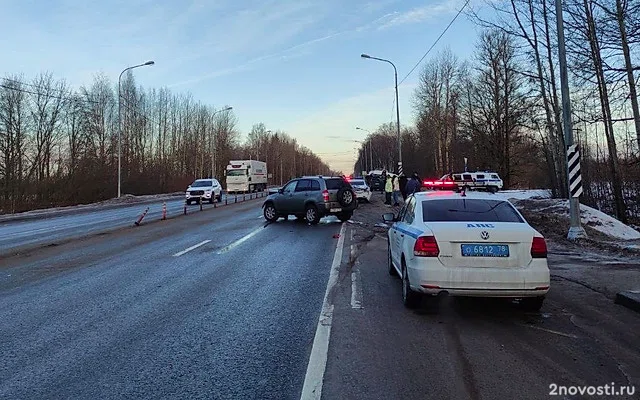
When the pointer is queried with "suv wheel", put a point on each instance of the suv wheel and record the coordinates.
(311, 215)
(346, 197)
(270, 213)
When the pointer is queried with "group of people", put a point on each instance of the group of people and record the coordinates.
(399, 185)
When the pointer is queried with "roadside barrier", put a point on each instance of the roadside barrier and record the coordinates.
(141, 217)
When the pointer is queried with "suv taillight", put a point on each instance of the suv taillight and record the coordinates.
(538, 248)
(426, 246)
(325, 195)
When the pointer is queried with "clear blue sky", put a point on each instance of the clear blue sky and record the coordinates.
(292, 64)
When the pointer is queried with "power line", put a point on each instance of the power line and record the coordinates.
(63, 91)
(436, 42)
(64, 98)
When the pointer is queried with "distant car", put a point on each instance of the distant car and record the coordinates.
(472, 244)
(479, 180)
(444, 183)
(363, 192)
(312, 198)
(376, 183)
(205, 189)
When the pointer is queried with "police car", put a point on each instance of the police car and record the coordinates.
(363, 192)
(466, 244)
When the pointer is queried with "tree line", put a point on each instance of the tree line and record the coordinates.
(59, 146)
(502, 107)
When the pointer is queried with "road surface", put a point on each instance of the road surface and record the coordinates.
(220, 305)
(18, 235)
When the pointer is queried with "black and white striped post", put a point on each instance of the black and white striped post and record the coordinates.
(575, 178)
(574, 181)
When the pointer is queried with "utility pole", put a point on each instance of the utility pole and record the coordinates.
(574, 181)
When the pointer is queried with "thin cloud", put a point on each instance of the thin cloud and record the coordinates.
(421, 14)
(288, 53)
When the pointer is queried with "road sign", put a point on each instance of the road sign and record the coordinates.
(575, 178)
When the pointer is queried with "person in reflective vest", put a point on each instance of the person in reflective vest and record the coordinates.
(388, 189)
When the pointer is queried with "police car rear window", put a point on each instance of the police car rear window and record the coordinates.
(469, 210)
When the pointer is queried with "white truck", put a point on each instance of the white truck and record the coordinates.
(246, 176)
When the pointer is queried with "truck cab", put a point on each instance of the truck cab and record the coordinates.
(245, 176)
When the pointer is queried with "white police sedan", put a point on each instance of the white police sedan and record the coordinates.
(466, 244)
(363, 191)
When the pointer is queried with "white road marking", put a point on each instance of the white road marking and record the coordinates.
(569, 335)
(191, 248)
(312, 388)
(356, 291)
(352, 232)
(240, 241)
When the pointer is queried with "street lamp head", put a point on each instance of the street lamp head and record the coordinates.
(228, 109)
(149, 63)
(365, 56)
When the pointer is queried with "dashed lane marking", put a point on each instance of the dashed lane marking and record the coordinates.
(191, 248)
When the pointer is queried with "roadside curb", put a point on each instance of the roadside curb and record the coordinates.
(629, 299)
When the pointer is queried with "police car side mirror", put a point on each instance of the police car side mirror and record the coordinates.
(388, 217)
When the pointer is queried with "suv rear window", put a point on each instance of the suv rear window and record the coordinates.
(335, 183)
(469, 210)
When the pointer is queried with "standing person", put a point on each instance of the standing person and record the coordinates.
(388, 189)
(396, 190)
(402, 181)
(413, 185)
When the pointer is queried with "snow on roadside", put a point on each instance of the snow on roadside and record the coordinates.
(125, 199)
(591, 217)
(524, 194)
(605, 223)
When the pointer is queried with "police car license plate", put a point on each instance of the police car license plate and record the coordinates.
(335, 210)
(484, 250)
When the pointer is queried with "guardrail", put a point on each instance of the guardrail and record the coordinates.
(228, 201)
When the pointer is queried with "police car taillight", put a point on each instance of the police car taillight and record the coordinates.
(426, 246)
(538, 248)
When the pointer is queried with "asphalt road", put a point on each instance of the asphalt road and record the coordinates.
(18, 235)
(220, 305)
(473, 349)
(130, 314)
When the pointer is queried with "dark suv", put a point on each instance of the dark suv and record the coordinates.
(312, 198)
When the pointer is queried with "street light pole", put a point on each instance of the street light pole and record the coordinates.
(213, 142)
(370, 147)
(120, 120)
(576, 231)
(395, 70)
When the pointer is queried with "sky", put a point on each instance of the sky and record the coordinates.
(294, 65)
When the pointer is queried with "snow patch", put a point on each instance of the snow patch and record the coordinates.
(605, 223)
(524, 194)
(591, 217)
